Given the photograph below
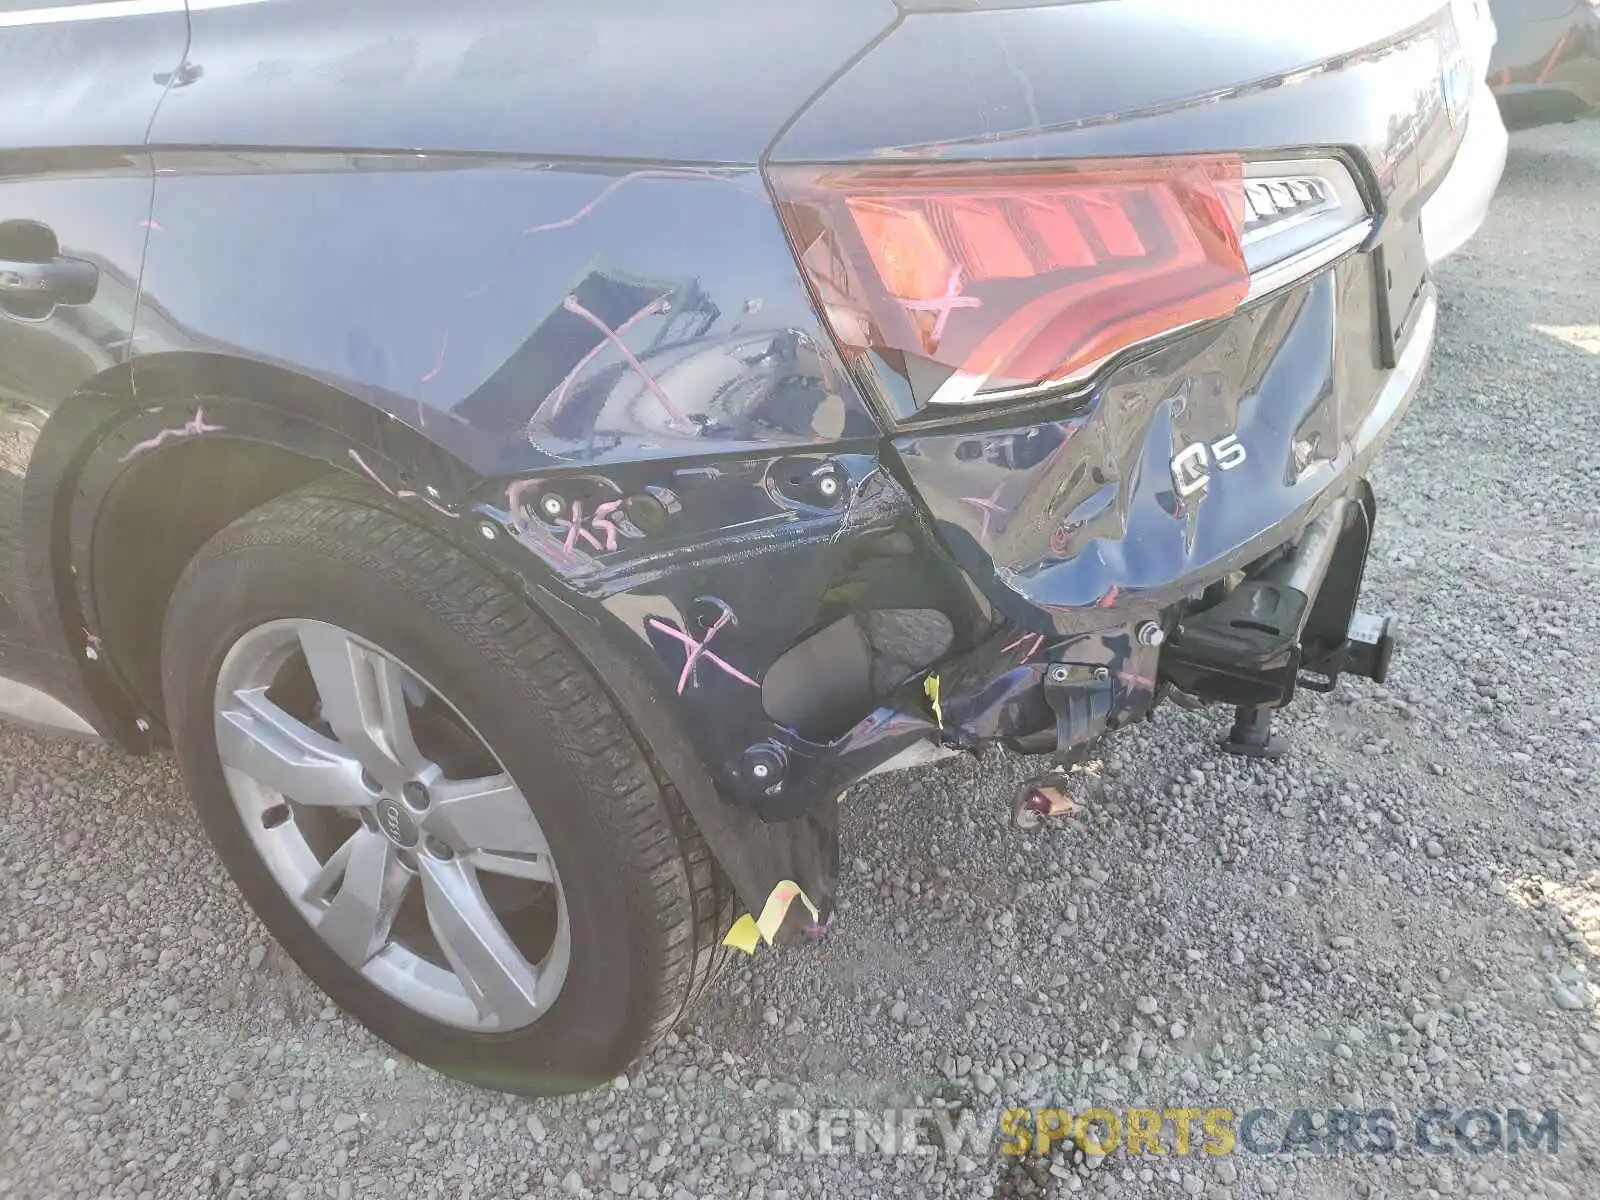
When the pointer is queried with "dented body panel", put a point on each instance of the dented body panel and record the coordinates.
(521, 273)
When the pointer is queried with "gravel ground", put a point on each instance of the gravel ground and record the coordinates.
(1404, 913)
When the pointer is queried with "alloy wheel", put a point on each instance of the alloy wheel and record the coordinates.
(391, 826)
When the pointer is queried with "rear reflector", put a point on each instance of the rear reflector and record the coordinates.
(967, 281)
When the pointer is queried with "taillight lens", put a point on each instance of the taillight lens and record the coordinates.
(956, 285)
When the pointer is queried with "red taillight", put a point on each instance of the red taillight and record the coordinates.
(1015, 275)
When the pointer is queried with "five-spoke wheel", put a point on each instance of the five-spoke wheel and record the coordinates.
(352, 803)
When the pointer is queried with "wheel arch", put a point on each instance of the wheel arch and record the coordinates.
(168, 455)
(240, 434)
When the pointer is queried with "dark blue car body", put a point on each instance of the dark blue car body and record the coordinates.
(518, 269)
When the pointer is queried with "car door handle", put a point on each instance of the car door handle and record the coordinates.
(62, 280)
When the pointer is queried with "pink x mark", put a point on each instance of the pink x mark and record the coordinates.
(989, 508)
(944, 305)
(572, 305)
(697, 650)
(600, 521)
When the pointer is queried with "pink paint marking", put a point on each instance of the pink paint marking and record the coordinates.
(151, 225)
(193, 427)
(990, 508)
(401, 494)
(575, 530)
(1038, 641)
(197, 424)
(601, 521)
(943, 305)
(576, 526)
(698, 650)
(572, 305)
(514, 494)
(1555, 53)
(605, 192)
(560, 396)
(525, 529)
(438, 364)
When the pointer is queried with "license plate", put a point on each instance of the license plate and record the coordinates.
(1402, 268)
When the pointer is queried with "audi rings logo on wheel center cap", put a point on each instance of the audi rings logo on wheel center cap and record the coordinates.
(396, 822)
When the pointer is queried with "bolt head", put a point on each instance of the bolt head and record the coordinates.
(415, 795)
(552, 506)
(1058, 673)
(91, 653)
(761, 770)
(489, 532)
(439, 850)
(370, 782)
(1151, 634)
(828, 485)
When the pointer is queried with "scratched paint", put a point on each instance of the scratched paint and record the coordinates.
(193, 427)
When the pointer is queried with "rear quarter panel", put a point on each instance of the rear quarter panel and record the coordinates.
(506, 255)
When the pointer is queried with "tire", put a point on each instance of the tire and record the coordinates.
(644, 899)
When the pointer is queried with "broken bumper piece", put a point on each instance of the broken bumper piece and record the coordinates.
(1288, 620)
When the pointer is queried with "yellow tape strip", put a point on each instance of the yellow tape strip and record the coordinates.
(930, 685)
(747, 929)
(744, 935)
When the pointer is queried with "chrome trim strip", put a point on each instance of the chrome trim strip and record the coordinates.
(1272, 228)
(1308, 262)
(24, 705)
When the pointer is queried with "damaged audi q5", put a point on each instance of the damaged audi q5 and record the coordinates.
(526, 462)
